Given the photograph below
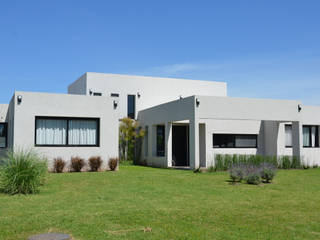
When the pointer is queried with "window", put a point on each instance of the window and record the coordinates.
(3, 135)
(288, 135)
(310, 136)
(146, 143)
(52, 131)
(160, 141)
(235, 140)
(97, 94)
(131, 106)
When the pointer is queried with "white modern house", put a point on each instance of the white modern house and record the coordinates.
(187, 122)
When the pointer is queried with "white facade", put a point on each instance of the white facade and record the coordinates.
(193, 109)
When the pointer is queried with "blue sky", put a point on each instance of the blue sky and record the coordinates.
(264, 49)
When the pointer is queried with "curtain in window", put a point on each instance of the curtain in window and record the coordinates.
(51, 132)
(82, 132)
(306, 137)
(246, 141)
(288, 133)
(313, 136)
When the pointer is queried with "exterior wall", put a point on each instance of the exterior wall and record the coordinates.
(176, 111)
(153, 90)
(79, 86)
(263, 117)
(3, 112)
(214, 126)
(63, 105)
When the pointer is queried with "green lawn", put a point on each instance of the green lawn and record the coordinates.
(149, 203)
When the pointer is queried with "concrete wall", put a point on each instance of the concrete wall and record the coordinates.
(216, 126)
(65, 105)
(79, 86)
(153, 90)
(247, 109)
(3, 112)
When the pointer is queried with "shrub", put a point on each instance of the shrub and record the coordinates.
(76, 164)
(285, 162)
(218, 162)
(252, 175)
(296, 163)
(113, 163)
(58, 165)
(95, 163)
(197, 170)
(267, 171)
(237, 172)
(227, 161)
(22, 172)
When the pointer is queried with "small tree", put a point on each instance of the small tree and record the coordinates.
(129, 135)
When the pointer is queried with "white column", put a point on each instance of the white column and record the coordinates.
(194, 143)
(297, 139)
(168, 141)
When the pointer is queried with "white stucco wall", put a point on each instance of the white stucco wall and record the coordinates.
(3, 112)
(153, 90)
(66, 105)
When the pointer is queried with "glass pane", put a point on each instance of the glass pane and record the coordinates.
(51, 132)
(82, 132)
(131, 106)
(288, 135)
(246, 141)
(223, 140)
(306, 136)
(160, 141)
(3, 137)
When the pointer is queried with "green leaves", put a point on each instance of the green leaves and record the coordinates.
(22, 172)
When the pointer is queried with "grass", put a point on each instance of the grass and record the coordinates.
(148, 203)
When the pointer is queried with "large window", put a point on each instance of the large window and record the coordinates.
(131, 106)
(3, 135)
(67, 131)
(310, 136)
(288, 135)
(235, 140)
(160, 140)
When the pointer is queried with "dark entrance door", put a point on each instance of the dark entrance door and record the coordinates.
(180, 145)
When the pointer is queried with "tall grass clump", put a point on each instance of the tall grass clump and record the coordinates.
(22, 172)
(223, 162)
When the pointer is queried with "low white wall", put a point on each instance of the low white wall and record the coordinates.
(64, 105)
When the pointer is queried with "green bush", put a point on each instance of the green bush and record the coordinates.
(296, 163)
(252, 175)
(22, 172)
(267, 171)
(237, 172)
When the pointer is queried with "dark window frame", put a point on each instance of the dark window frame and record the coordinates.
(233, 136)
(5, 124)
(97, 94)
(287, 125)
(115, 95)
(161, 152)
(131, 115)
(67, 131)
(317, 144)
